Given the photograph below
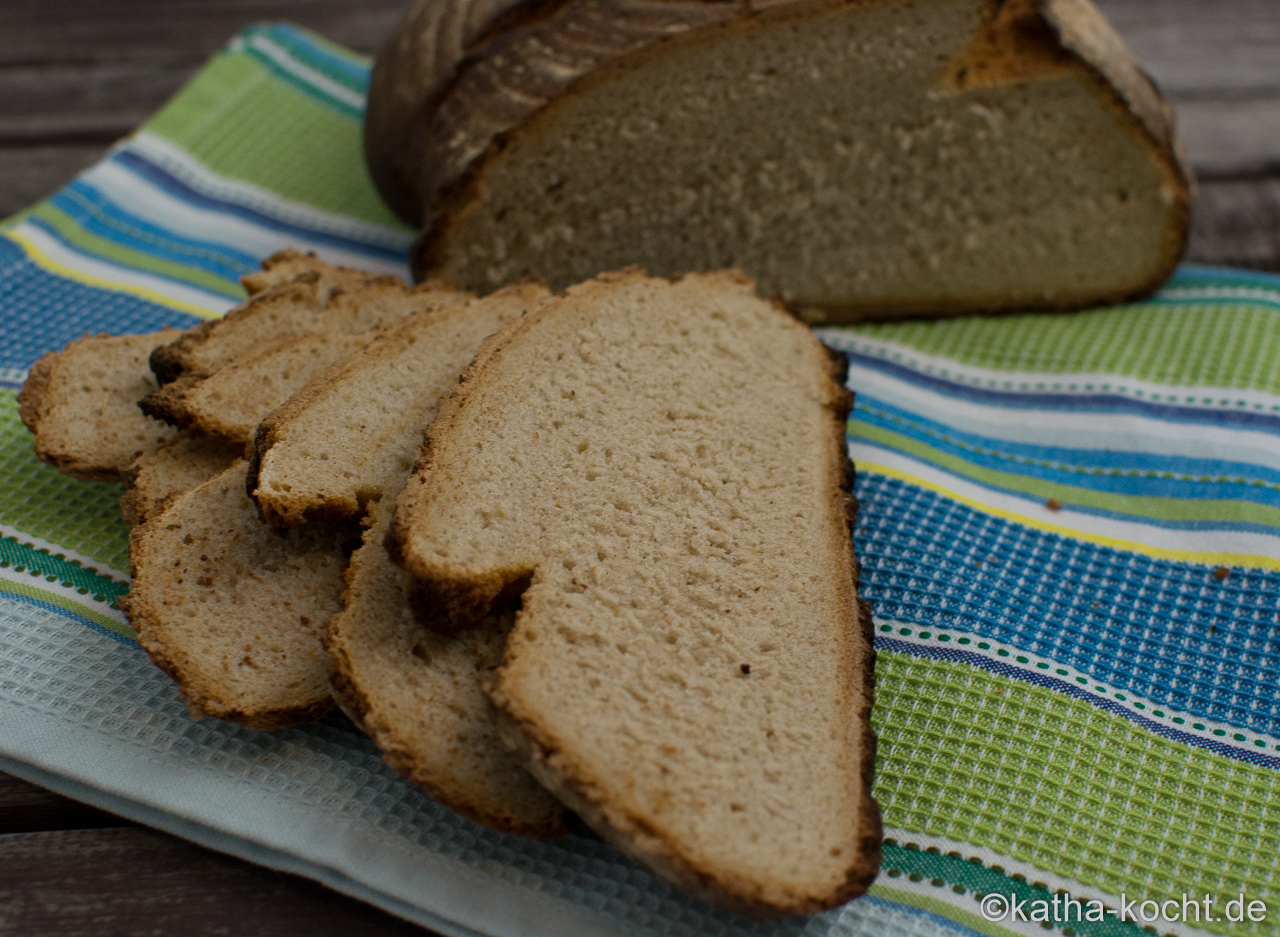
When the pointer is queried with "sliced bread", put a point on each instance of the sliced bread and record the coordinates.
(82, 405)
(350, 436)
(231, 402)
(346, 444)
(418, 695)
(284, 339)
(171, 468)
(328, 299)
(280, 268)
(232, 609)
(860, 159)
(661, 468)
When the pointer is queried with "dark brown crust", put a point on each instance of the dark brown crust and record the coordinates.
(168, 402)
(144, 621)
(445, 183)
(542, 753)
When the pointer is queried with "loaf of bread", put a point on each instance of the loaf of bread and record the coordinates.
(81, 404)
(859, 159)
(658, 471)
(232, 609)
(350, 436)
(173, 467)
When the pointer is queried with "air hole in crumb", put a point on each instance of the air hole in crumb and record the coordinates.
(745, 668)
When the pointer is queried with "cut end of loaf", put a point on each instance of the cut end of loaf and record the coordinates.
(937, 174)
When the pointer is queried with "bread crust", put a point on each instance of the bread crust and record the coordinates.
(38, 406)
(398, 753)
(447, 604)
(314, 286)
(456, 600)
(484, 96)
(151, 610)
(147, 621)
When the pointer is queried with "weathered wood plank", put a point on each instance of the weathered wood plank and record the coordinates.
(106, 67)
(1231, 138)
(1197, 49)
(138, 881)
(1237, 224)
(30, 173)
(44, 32)
(96, 102)
(25, 808)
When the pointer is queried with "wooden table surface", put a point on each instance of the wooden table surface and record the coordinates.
(76, 76)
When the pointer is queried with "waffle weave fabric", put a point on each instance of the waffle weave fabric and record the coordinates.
(1069, 535)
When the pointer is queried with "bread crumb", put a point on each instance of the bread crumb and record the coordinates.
(1221, 572)
(1054, 504)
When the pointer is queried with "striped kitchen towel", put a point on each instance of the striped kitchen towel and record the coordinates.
(1069, 534)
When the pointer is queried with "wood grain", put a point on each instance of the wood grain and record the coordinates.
(71, 71)
(50, 32)
(1236, 223)
(25, 808)
(132, 880)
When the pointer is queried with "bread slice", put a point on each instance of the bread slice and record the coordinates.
(327, 299)
(232, 609)
(661, 467)
(283, 267)
(175, 466)
(82, 405)
(292, 338)
(418, 695)
(872, 159)
(350, 436)
(231, 402)
(344, 444)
